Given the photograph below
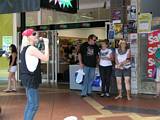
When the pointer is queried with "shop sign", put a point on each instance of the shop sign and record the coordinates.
(153, 41)
(144, 22)
(6, 42)
(69, 6)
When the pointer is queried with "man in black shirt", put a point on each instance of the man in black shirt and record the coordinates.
(88, 56)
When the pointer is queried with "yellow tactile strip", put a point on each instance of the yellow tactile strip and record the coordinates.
(107, 113)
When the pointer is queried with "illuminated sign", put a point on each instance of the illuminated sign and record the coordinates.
(69, 6)
(63, 3)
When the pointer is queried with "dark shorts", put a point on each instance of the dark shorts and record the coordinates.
(124, 72)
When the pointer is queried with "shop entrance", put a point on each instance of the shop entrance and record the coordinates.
(65, 39)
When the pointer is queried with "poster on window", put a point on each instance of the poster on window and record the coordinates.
(132, 15)
(152, 45)
(144, 22)
(116, 15)
(6, 42)
(118, 28)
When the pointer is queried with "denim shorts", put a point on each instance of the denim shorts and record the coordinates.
(123, 72)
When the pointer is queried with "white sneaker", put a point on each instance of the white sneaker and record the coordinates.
(107, 94)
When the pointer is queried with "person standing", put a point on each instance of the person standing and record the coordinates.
(88, 56)
(105, 67)
(12, 69)
(123, 68)
(30, 72)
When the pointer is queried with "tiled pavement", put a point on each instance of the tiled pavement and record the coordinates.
(56, 104)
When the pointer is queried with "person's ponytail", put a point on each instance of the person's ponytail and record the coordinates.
(25, 42)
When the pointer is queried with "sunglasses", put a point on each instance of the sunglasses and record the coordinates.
(34, 33)
(94, 40)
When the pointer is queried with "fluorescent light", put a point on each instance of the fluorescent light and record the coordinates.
(88, 17)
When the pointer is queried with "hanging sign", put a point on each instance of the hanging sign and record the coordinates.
(153, 41)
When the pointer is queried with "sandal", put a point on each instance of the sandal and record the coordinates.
(129, 98)
(156, 96)
(118, 97)
(7, 90)
(14, 90)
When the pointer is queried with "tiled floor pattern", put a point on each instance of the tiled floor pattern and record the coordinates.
(56, 104)
(108, 115)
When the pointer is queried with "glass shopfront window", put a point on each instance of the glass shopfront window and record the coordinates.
(147, 82)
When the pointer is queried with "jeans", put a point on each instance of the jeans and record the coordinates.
(105, 74)
(32, 103)
(88, 78)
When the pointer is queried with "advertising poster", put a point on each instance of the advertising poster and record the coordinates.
(118, 28)
(133, 46)
(132, 26)
(132, 15)
(152, 44)
(116, 15)
(6, 42)
(133, 40)
(111, 32)
(144, 22)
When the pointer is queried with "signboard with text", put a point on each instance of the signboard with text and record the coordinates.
(153, 41)
(144, 22)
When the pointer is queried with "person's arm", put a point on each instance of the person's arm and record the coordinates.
(13, 59)
(98, 56)
(37, 53)
(128, 58)
(117, 65)
(116, 59)
(80, 60)
(110, 56)
(80, 57)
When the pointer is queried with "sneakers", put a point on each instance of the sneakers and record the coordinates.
(102, 95)
(105, 94)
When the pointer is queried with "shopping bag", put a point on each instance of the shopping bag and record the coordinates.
(97, 82)
(79, 75)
